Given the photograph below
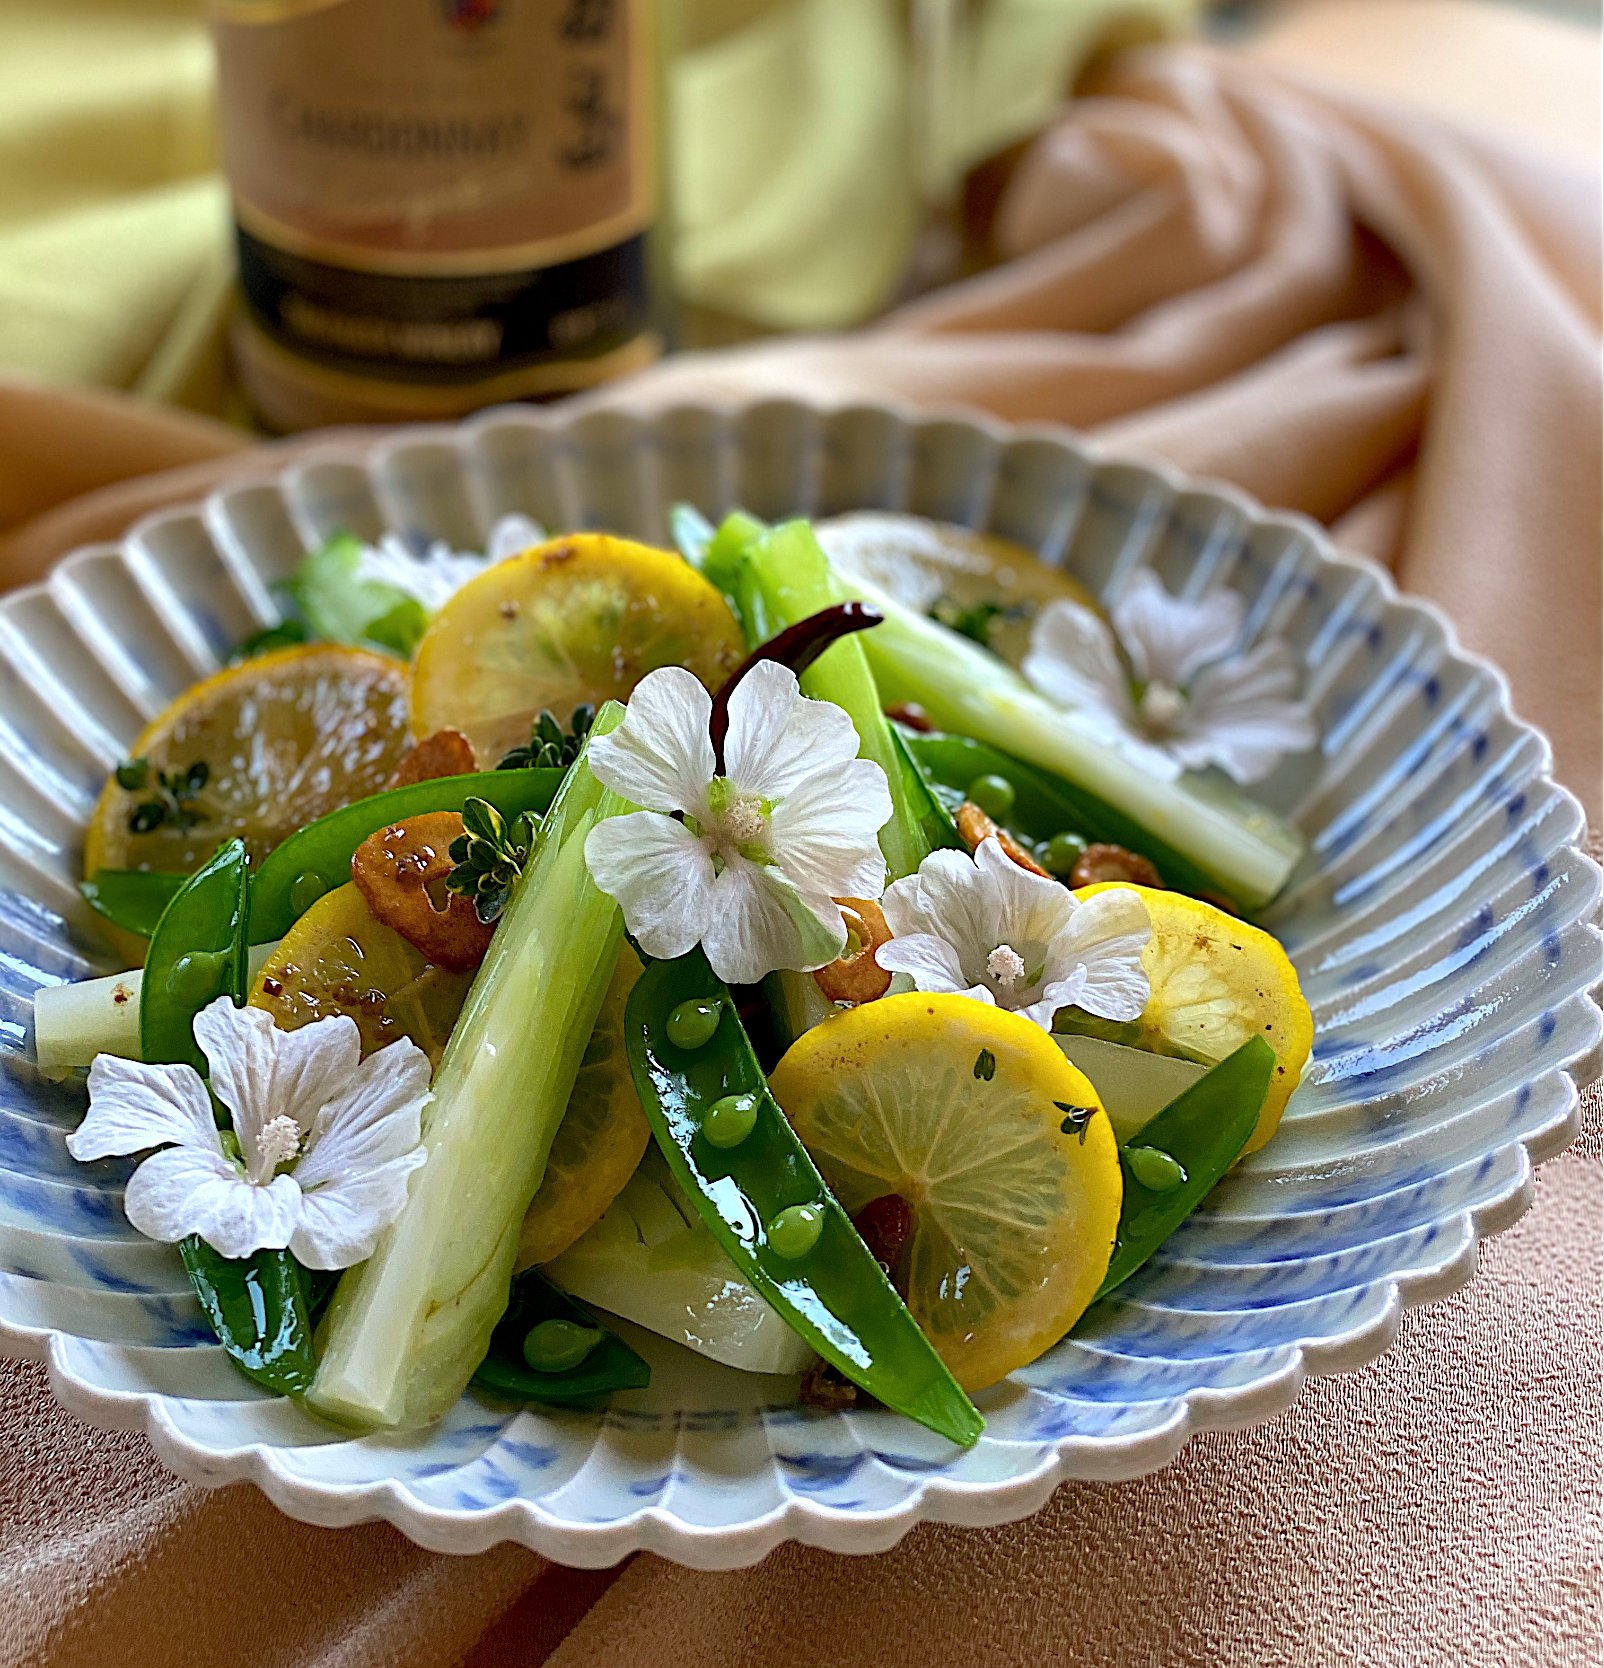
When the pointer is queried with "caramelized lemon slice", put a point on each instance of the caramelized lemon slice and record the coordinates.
(982, 583)
(997, 1143)
(339, 958)
(580, 619)
(1214, 982)
(274, 744)
(600, 1140)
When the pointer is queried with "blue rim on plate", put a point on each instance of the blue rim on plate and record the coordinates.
(1442, 925)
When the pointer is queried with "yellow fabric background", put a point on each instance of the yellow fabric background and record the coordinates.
(114, 241)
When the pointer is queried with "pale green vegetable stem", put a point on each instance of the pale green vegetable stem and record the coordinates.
(73, 1023)
(971, 692)
(407, 1328)
(781, 575)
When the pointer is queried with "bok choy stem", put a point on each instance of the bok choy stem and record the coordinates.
(407, 1328)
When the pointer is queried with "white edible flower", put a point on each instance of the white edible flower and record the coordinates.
(746, 864)
(440, 572)
(323, 1140)
(1178, 690)
(984, 927)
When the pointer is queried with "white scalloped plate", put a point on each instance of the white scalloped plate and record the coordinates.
(1441, 924)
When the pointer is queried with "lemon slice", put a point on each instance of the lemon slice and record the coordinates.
(580, 619)
(997, 1143)
(283, 738)
(339, 958)
(600, 1140)
(952, 571)
(1214, 982)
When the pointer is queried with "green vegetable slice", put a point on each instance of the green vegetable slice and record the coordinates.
(1202, 1130)
(1242, 846)
(334, 604)
(831, 1292)
(1045, 805)
(258, 1308)
(132, 899)
(257, 1305)
(407, 1328)
(776, 577)
(611, 1365)
(197, 953)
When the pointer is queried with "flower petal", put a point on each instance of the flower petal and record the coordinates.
(661, 756)
(1169, 638)
(1020, 907)
(760, 922)
(1242, 715)
(511, 534)
(823, 833)
(375, 1118)
(260, 1072)
(1073, 660)
(340, 1223)
(1061, 993)
(945, 901)
(1105, 937)
(777, 736)
(659, 874)
(133, 1106)
(931, 963)
(182, 1191)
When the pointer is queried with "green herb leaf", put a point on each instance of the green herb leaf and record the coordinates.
(489, 856)
(550, 746)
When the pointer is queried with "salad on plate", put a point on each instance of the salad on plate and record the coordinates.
(825, 946)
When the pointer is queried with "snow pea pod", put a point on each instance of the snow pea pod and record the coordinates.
(317, 858)
(610, 1365)
(132, 899)
(1045, 805)
(1200, 1133)
(829, 1290)
(257, 1305)
(197, 953)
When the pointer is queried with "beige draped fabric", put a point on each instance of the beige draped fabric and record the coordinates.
(1346, 307)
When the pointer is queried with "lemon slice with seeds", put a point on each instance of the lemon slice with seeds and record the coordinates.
(600, 1140)
(1214, 981)
(1000, 1148)
(283, 739)
(339, 958)
(580, 619)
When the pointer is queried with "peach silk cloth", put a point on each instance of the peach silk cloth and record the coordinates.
(1346, 308)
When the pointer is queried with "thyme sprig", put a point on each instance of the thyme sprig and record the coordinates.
(173, 798)
(489, 855)
(550, 747)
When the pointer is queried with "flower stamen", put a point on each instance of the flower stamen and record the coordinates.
(278, 1143)
(1006, 966)
(1161, 706)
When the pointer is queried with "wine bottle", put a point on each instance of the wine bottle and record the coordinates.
(438, 204)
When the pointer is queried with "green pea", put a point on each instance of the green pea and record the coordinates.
(1064, 851)
(692, 1023)
(558, 1346)
(993, 794)
(729, 1121)
(795, 1231)
(306, 889)
(1154, 1169)
(194, 978)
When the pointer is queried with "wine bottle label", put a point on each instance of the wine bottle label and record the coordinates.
(438, 190)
